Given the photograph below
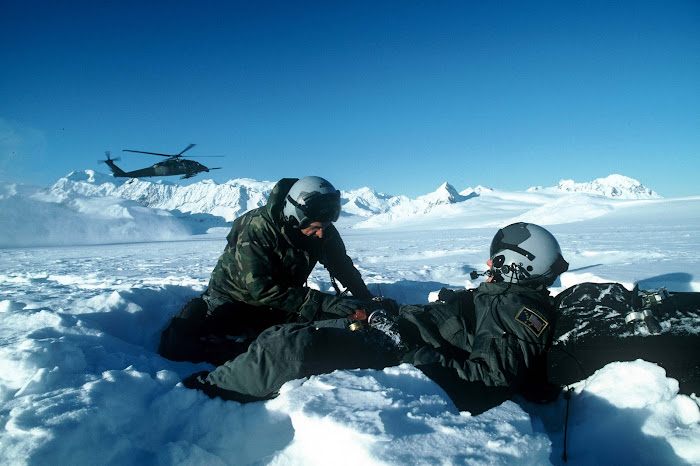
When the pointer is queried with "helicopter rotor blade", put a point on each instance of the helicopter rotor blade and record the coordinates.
(151, 153)
(186, 149)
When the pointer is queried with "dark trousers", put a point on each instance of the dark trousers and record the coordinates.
(287, 352)
(197, 334)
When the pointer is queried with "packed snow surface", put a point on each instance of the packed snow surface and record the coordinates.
(81, 382)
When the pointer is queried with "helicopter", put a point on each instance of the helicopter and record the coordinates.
(174, 165)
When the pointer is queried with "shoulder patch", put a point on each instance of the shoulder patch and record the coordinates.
(532, 320)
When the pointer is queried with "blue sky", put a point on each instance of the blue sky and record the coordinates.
(397, 96)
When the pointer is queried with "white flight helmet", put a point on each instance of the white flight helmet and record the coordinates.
(311, 199)
(527, 254)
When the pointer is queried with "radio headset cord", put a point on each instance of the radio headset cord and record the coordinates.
(567, 397)
(569, 390)
(344, 293)
(337, 288)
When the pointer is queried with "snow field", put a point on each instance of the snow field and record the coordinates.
(81, 382)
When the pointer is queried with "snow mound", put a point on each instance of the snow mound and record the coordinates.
(398, 416)
(37, 218)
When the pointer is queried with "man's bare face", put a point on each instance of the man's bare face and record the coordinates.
(315, 229)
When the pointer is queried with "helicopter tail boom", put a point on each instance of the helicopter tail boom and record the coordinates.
(116, 171)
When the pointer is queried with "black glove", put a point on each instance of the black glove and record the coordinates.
(450, 296)
(333, 307)
(446, 295)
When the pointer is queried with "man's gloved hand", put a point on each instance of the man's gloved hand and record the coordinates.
(333, 307)
(449, 296)
(322, 306)
(446, 295)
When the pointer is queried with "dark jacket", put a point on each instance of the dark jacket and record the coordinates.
(267, 263)
(500, 340)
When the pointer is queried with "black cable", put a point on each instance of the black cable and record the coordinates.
(567, 397)
(338, 293)
(584, 374)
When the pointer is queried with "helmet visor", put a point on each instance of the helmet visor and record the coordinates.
(321, 207)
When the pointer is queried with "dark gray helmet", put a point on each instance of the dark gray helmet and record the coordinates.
(527, 254)
(311, 199)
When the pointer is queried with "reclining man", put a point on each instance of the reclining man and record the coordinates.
(259, 280)
(495, 336)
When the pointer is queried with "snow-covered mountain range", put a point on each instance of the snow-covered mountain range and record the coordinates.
(231, 199)
(227, 200)
(614, 186)
(142, 210)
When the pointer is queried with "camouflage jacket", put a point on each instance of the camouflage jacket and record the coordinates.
(267, 263)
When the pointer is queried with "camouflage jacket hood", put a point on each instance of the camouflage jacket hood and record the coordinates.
(275, 202)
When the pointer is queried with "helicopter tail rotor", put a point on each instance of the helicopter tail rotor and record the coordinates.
(109, 158)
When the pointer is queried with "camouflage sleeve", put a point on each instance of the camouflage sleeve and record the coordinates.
(340, 266)
(263, 274)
